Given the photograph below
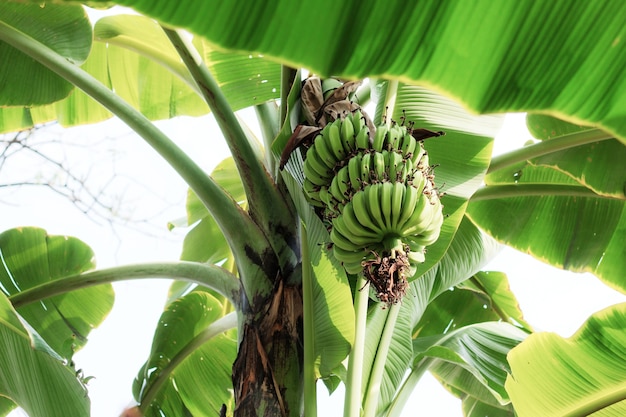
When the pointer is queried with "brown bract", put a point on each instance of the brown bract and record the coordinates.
(388, 276)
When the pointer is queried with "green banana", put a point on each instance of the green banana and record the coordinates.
(373, 205)
(378, 166)
(358, 122)
(422, 218)
(408, 206)
(394, 166)
(386, 189)
(358, 228)
(354, 171)
(340, 231)
(312, 158)
(344, 182)
(408, 145)
(322, 148)
(397, 199)
(334, 138)
(343, 242)
(358, 206)
(366, 162)
(393, 137)
(351, 260)
(313, 176)
(379, 138)
(335, 186)
(312, 193)
(348, 135)
(362, 139)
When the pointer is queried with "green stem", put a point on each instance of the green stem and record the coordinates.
(240, 231)
(266, 204)
(287, 78)
(209, 276)
(352, 406)
(408, 386)
(219, 326)
(494, 192)
(546, 147)
(310, 392)
(376, 376)
(268, 116)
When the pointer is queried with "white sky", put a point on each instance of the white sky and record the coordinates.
(147, 188)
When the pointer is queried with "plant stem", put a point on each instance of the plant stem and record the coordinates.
(407, 388)
(242, 234)
(266, 204)
(287, 78)
(494, 192)
(376, 376)
(219, 326)
(268, 116)
(546, 147)
(209, 276)
(352, 406)
(310, 392)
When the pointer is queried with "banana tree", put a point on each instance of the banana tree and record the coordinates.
(265, 303)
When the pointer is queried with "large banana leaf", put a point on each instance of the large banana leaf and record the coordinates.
(133, 57)
(189, 367)
(65, 29)
(32, 375)
(471, 362)
(561, 57)
(31, 257)
(578, 230)
(578, 376)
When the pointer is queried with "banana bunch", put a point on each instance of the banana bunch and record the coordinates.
(376, 192)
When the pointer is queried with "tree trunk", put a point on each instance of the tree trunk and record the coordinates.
(267, 374)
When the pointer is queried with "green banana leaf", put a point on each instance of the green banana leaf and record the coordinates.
(64, 28)
(543, 127)
(474, 301)
(470, 361)
(32, 375)
(493, 288)
(132, 56)
(572, 231)
(562, 57)
(576, 376)
(582, 162)
(189, 367)
(31, 257)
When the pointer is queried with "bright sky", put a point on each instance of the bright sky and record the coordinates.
(146, 188)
